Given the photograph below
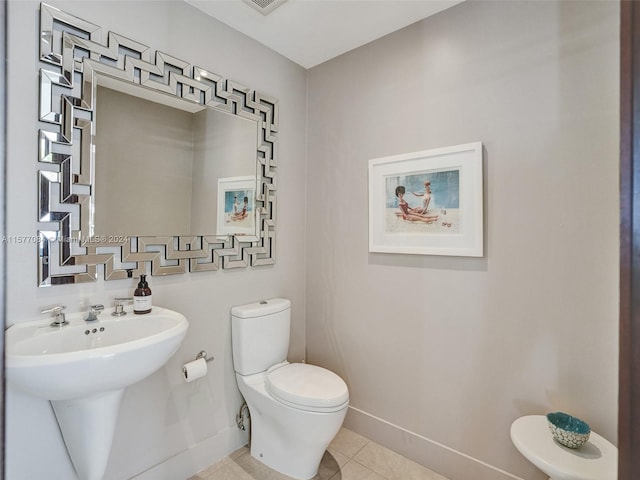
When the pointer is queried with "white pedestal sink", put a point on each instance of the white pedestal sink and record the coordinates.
(83, 369)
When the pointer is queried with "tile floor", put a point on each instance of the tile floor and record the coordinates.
(349, 457)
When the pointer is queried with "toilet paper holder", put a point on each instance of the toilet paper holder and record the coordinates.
(203, 354)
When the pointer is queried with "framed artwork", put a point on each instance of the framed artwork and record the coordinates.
(427, 203)
(237, 206)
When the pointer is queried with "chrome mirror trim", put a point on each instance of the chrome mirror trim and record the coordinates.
(73, 54)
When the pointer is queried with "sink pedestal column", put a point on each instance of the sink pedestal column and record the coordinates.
(87, 426)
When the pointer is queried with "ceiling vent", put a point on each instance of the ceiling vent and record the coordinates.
(265, 7)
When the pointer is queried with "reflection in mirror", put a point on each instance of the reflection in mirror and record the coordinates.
(159, 162)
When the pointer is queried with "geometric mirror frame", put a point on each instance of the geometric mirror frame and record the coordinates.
(74, 54)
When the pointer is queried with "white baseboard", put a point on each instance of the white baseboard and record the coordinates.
(433, 455)
(197, 457)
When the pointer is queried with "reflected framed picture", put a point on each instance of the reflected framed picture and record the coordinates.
(427, 203)
(236, 206)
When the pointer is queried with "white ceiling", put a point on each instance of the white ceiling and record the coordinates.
(310, 32)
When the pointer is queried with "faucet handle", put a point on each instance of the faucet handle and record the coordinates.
(57, 313)
(118, 309)
(55, 309)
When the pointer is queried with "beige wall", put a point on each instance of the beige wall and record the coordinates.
(448, 349)
(224, 146)
(144, 166)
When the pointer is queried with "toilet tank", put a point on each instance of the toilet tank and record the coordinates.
(260, 335)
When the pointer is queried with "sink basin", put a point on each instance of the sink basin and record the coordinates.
(58, 363)
(83, 368)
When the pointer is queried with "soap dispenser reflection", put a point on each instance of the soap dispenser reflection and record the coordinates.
(142, 297)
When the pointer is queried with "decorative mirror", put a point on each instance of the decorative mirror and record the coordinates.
(128, 129)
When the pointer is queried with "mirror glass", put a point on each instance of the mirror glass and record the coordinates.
(168, 166)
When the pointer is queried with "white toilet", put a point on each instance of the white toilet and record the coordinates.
(596, 460)
(296, 409)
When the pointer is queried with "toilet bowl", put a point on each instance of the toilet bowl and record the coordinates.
(595, 460)
(296, 409)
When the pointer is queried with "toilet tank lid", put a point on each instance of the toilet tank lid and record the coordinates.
(263, 307)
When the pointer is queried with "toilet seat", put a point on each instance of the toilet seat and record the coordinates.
(307, 387)
(596, 460)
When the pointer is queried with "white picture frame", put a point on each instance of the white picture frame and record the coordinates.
(230, 217)
(428, 202)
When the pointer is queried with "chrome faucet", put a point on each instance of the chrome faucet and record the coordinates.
(92, 314)
(57, 313)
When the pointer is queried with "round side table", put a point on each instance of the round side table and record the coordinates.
(595, 460)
